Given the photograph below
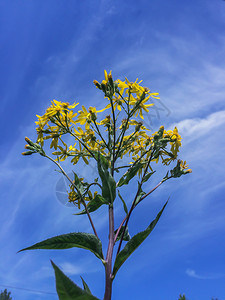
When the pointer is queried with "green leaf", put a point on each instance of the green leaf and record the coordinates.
(86, 288)
(140, 194)
(67, 289)
(94, 204)
(78, 183)
(108, 182)
(130, 173)
(124, 203)
(134, 243)
(65, 241)
(126, 236)
(147, 176)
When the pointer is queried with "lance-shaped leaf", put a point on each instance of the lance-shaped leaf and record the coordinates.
(65, 241)
(94, 204)
(140, 194)
(67, 289)
(124, 203)
(126, 236)
(108, 182)
(130, 173)
(147, 176)
(86, 287)
(133, 244)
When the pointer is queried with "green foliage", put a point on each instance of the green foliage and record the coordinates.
(5, 295)
(140, 194)
(126, 236)
(108, 182)
(147, 176)
(135, 242)
(130, 173)
(124, 203)
(93, 204)
(86, 287)
(65, 241)
(182, 297)
(67, 289)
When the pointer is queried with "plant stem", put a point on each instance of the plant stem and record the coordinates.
(108, 266)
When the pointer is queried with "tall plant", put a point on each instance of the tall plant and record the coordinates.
(119, 141)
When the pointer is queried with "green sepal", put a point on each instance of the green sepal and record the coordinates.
(67, 289)
(126, 236)
(124, 203)
(130, 173)
(134, 243)
(86, 287)
(93, 204)
(76, 239)
(108, 182)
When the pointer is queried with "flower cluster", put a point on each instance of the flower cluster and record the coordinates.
(107, 135)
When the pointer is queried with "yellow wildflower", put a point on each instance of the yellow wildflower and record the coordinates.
(86, 117)
(135, 93)
(176, 141)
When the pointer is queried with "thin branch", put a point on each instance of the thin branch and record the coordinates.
(118, 230)
(99, 133)
(83, 201)
(83, 144)
(142, 198)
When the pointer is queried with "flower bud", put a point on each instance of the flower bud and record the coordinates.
(93, 115)
(97, 84)
(27, 153)
(138, 126)
(108, 119)
(29, 147)
(29, 141)
(161, 130)
(110, 80)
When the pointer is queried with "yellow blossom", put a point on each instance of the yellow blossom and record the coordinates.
(86, 117)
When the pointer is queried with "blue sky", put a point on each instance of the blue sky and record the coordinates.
(53, 50)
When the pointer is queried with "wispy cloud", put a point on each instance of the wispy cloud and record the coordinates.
(192, 273)
(71, 269)
(192, 129)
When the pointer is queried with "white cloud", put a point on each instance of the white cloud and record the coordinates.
(196, 127)
(71, 269)
(192, 273)
(87, 266)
